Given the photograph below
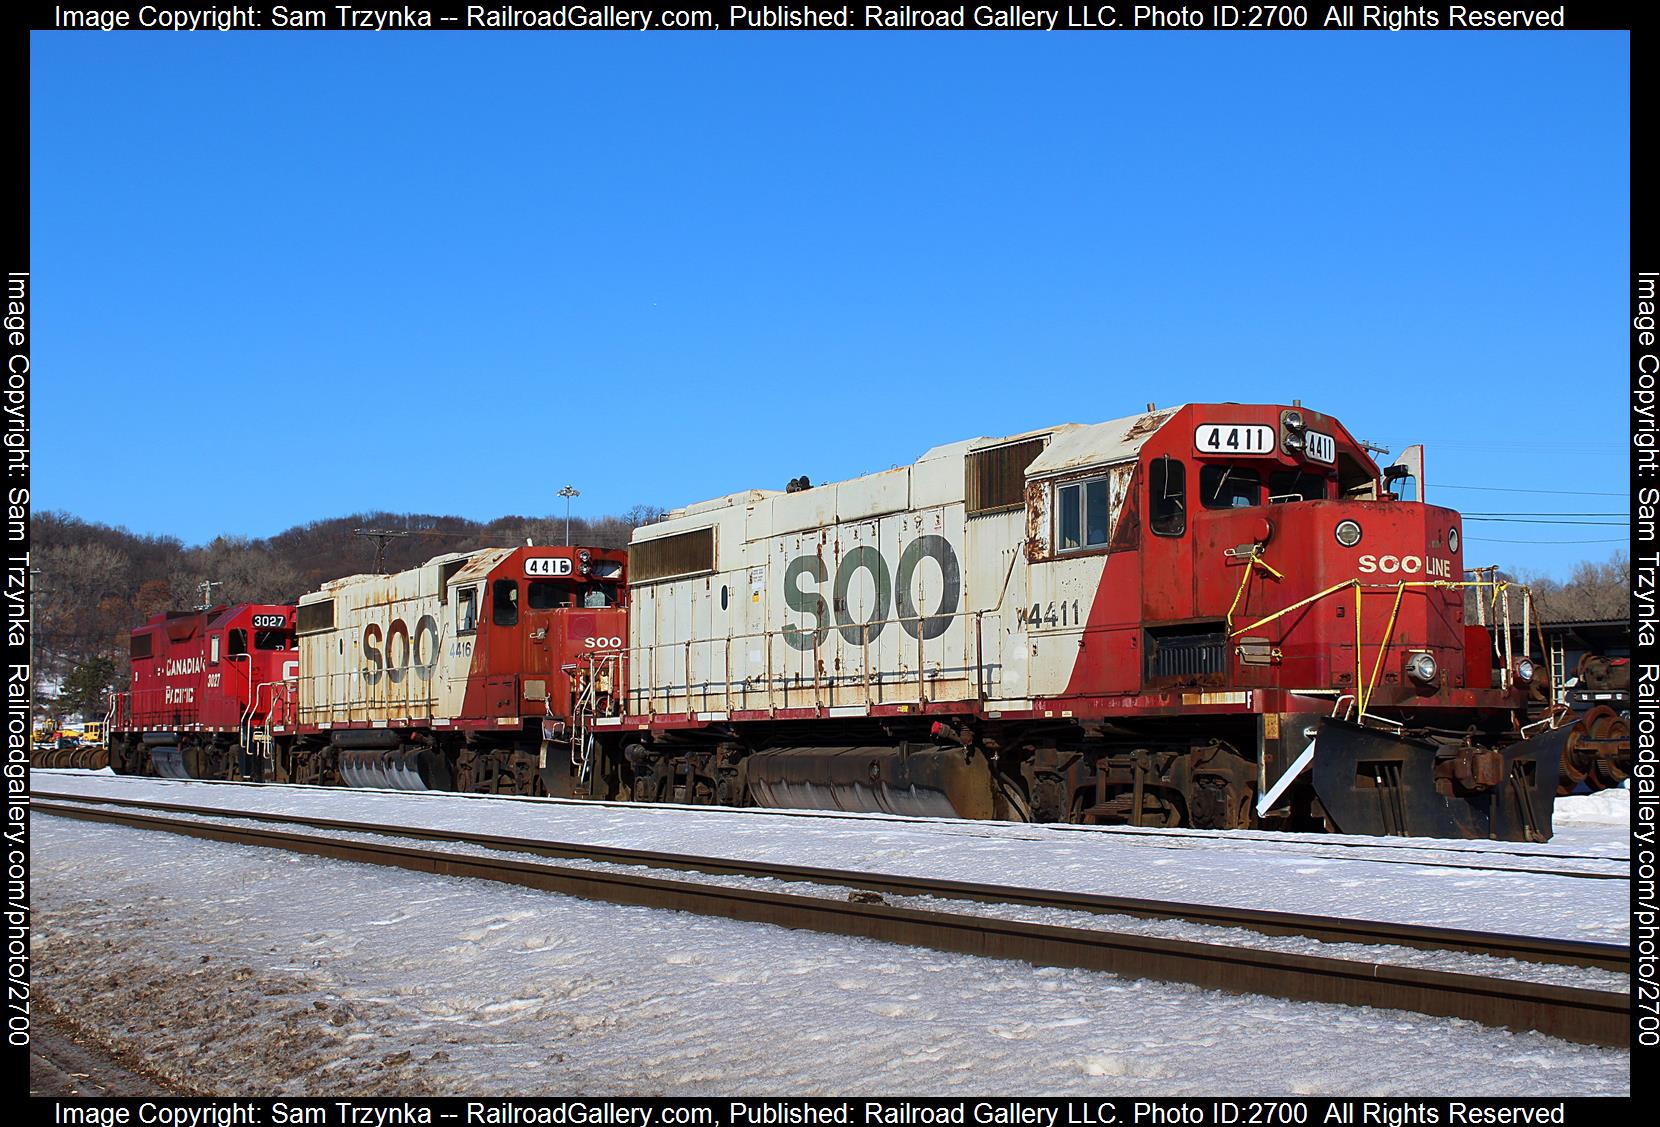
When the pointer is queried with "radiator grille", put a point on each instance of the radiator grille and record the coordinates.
(1187, 655)
(685, 553)
(996, 478)
(314, 617)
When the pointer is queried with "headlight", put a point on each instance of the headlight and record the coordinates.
(1347, 533)
(1524, 669)
(1292, 442)
(1421, 668)
(1292, 419)
(584, 555)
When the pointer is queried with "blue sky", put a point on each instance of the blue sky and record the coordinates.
(281, 277)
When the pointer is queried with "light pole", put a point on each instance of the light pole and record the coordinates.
(568, 492)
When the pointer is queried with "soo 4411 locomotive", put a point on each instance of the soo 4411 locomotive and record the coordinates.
(1213, 615)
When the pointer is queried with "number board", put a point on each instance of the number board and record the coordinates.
(1234, 438)
(548, 565)
(1320, 447)
(274, 621)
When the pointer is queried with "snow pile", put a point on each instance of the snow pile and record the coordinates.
(1604, 808)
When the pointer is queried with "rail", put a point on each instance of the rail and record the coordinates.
(1591, 1016)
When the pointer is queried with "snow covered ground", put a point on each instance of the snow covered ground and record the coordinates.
(234, 969)
(1341, 876)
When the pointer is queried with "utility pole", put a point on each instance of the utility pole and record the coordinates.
(34, 628)
(380, 536)
(568, 492)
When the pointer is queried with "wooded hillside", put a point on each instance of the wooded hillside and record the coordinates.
(96, 583)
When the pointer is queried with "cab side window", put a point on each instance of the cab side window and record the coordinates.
(466, 610)
(1167, 496)
(1082, 515)
(504, 605)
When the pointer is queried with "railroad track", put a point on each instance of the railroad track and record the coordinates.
(1590, 1016)
(1152, 838)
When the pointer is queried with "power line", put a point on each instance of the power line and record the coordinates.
(1531, 520)
(1514, 489)
(1484, 516)
(1496, 540)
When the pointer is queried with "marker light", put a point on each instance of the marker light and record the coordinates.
(1347, 533)
(1452, 539)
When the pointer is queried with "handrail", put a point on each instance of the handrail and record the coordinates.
(770, 682)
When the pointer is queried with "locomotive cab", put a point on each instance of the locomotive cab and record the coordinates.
(531, 623)
(1272, 556)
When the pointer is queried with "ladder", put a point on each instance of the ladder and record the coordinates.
(1558, 669)
(595, 670)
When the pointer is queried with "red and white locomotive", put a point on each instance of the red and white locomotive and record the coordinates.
(1212, 615)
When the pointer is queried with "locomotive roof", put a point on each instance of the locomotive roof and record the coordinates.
(1116, 441)
(1071, 445)
(363, 577)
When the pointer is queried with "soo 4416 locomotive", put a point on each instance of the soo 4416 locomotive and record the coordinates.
(1214, 615)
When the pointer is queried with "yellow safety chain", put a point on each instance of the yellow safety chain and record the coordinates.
(1251, 563)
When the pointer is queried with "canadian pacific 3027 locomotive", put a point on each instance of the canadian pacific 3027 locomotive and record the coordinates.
(1211, 615)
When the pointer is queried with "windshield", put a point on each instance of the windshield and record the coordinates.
(1296, 485)
(1229, 487)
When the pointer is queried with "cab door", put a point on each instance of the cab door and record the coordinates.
(504, 650)
(546, 602)
(463, 639)
(1167, 542)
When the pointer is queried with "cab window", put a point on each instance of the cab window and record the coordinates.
(504, 604)
(1167, 496)
(1229, 487)
(597, 595)
(236, 642)
(1295, 485)
(272, 640)
(1082, 515)
(466, 610)
(544, 595)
